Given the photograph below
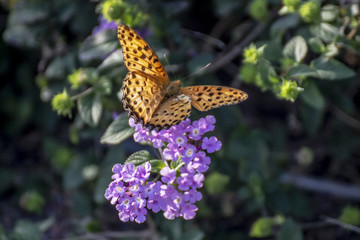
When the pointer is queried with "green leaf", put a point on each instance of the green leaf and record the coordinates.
(331, 50)
(96, 109)
(176, 164)
(139, 157)
(284, 23)
(290, 231)
(273, 50)
(268, 75)
(60, 67)
(118, 131)
(302, 70)
(157, 165)
(90, 109)
(216, 183)
(350, 215)
(96, 47)
(325, 32)
(296, 48)
(312, 96)
(26, 230)
(329, 12)
(316, 45)
(262, 227)
(331, 69)
(115, 59)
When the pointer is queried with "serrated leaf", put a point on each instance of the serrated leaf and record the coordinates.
(312, 96)
(139, 157)
(90, 109)
(290, 231)
(96, 47)
(117, 131)
(331, 69)
(156, 165)
(296, 48)
(262, 227)
(302, 70)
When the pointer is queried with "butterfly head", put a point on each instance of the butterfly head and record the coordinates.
(173, 89)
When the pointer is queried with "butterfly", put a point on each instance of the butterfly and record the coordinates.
(149, 96)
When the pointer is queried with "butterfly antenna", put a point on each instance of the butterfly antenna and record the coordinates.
(167, 63)
(197, 71)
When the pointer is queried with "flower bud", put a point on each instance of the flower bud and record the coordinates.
(62, 103)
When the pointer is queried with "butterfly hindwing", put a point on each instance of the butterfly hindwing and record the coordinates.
(148, 94)
(142, 94)
(138, 55)
(206, 97)
(171, 112)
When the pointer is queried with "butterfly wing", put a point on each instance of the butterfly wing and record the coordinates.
(139, 57)
(206, 97)
(144, 86)
(142, 94)
(171, 112)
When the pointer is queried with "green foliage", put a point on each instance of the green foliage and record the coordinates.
(262, 227)
(216, 183)
(302, 55)
(310, 11)
(32, 201)
(351, 215)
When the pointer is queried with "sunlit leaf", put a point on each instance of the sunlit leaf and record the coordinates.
(262, 227)
(118, 131)
(296, 48)
(331, 69)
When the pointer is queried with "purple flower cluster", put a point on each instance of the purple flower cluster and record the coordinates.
(104, 24)
(176, 192)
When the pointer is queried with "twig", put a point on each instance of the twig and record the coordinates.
(341, 224)
(345, 118)
(323, 186)
(237, 49)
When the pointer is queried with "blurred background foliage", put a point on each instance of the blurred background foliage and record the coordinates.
(289, 167)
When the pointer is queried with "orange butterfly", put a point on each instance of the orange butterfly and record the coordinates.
(152, 99)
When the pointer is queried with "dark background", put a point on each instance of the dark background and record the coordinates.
(54, 170)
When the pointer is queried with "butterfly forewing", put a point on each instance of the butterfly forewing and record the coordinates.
(138, 55)
(142, 94)
(206, 97)
(147, 93)
(171, 112)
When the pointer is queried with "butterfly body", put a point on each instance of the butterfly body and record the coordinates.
(152, 99)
